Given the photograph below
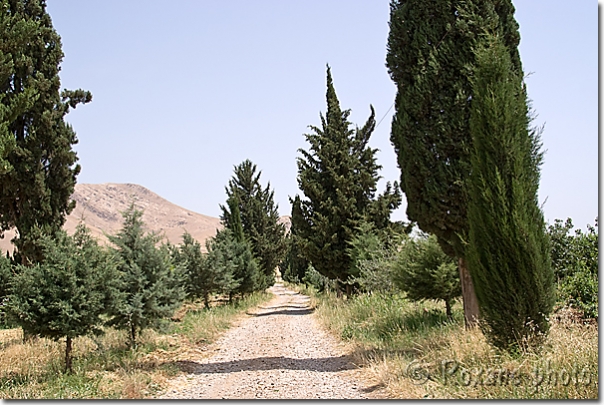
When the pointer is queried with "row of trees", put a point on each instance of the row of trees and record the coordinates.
(470, 167)
(470, 159)
(80, 286)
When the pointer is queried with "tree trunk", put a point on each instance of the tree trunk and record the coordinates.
(206, 300)
(348, 290)
(448, 309)
(68, 355)
(132, 335)
(471, 310)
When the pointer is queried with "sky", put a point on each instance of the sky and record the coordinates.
(185, 90)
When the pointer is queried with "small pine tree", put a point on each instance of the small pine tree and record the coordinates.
(508, 250)
(67, 294)
(151, 285)
(233, 263)
(189, 256)
(424, 271)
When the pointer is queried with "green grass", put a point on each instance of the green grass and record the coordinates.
(416, 352)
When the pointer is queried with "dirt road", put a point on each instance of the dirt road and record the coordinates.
(277, 352)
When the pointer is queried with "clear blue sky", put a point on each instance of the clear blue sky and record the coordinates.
(185, 90)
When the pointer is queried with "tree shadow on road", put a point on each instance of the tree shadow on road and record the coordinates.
(323, 364)
(286, 311)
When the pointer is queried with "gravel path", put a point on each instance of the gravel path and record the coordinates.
(278, 352)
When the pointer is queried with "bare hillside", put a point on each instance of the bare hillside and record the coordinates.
(100, 207)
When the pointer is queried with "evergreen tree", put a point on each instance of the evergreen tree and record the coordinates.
(188, 255)
(67, 294)
(508, 252)
(233, 262)
(424, 271)
(430, 54)
(150, 284)
(259, 219)
(338, 177)
(295, 264)
(37, 163)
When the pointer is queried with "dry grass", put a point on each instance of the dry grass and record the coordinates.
(104, 367)
(408, 349)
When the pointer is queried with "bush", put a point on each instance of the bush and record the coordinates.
(373, 259)
(424, 271)
(575, 263)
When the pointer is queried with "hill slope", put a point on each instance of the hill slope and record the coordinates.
(100, 207)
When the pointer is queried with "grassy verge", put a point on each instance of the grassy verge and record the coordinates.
(104, 367)
(416, 352)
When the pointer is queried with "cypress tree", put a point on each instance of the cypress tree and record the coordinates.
(37, 163)
(67, 294)
(430, 54)
(295, 264)
(338, 176)
(151, 285)
(508, 252)
(259, 219)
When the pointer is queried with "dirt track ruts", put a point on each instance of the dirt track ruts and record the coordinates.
(278, 352)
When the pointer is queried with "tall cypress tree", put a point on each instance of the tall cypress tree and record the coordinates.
(259, 218)
(430, 54)
(39, 171)
(338, 176)
(508, 253)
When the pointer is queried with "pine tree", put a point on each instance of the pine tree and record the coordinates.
(150, 284)
(233, 263)
(37, 164)
(430, 54)
(259, 219)
(424, 271)
(67, 294)
(189, 256)
(338, 177)
(508, 253)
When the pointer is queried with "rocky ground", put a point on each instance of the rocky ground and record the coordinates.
(279, 352)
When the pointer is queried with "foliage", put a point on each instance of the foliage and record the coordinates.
(294, 265)
(424, 271)
(312, 278)
(373, 258)
(259, 219)
(200, 282)
(575, 264)
(37, 163)
(338, 176)
(67, 294)
(151, 286)
(508, 252)
(430, 54)
(5, 276)
(233, 263)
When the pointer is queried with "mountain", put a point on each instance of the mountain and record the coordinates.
(100, 207)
